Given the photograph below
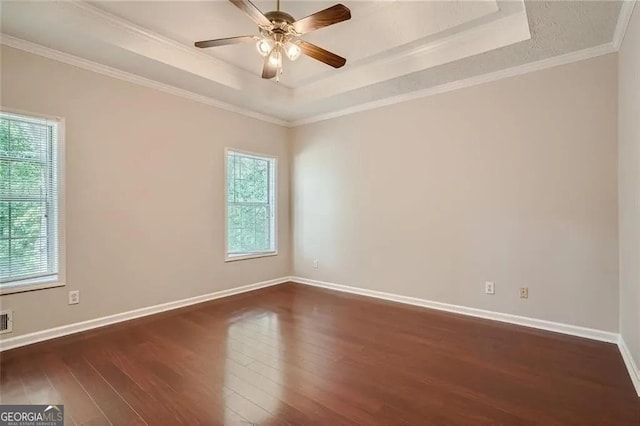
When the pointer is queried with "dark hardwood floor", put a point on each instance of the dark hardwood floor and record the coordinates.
(292, 354)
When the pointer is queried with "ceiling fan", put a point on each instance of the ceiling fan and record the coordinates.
(279, 34)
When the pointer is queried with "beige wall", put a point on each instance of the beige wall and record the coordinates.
(144, 187)
(513, 182)
(629, 181)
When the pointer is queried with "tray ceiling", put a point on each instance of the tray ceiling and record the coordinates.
(376, 29)
(391, 46)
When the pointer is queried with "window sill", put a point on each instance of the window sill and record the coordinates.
(30, 285)
(233, 258)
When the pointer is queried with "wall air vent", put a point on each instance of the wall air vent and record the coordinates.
(6, 322)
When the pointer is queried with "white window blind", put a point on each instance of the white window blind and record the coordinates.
(28, 199)
(251, 210)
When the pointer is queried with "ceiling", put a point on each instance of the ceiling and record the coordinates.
(393, 48)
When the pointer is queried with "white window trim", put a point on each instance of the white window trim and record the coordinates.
(245, 256)
(60, 279)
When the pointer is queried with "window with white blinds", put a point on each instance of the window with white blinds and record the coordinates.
(29, 246)
(251, 209)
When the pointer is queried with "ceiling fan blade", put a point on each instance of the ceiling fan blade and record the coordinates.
(223, 41)
(324, 18)
(252, 11)
(269, 70)
(318, 53)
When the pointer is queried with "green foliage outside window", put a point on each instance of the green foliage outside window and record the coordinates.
(24, 196)
(250, 207)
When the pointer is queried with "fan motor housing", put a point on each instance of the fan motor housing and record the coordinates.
(279, 17)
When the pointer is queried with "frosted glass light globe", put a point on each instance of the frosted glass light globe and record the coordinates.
(264, 46)
(292, 50)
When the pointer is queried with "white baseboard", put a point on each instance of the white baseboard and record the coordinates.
(634, 372)
(589, 333)
(574, 330)
(52, 333)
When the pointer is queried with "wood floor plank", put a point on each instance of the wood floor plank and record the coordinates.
(37, 385)
(181, 403)
(292, 354)
(12, 389)
(149, 406)
(201, 386)
(77, 401)
(115, 408)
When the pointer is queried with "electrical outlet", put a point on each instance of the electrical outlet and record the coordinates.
(315, 263)
(524, 292)
(74, 297)
(489, 288)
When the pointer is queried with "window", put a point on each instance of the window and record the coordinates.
(29, 228)
(251, 210)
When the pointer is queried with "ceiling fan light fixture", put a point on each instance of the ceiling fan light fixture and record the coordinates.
(279, 32)
(292, 50)
(264, 46)
(276, 58)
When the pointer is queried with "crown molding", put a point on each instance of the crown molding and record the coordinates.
(626, 10)
(580, 55)
(555, 61)
(86, 64)
(67, 58)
